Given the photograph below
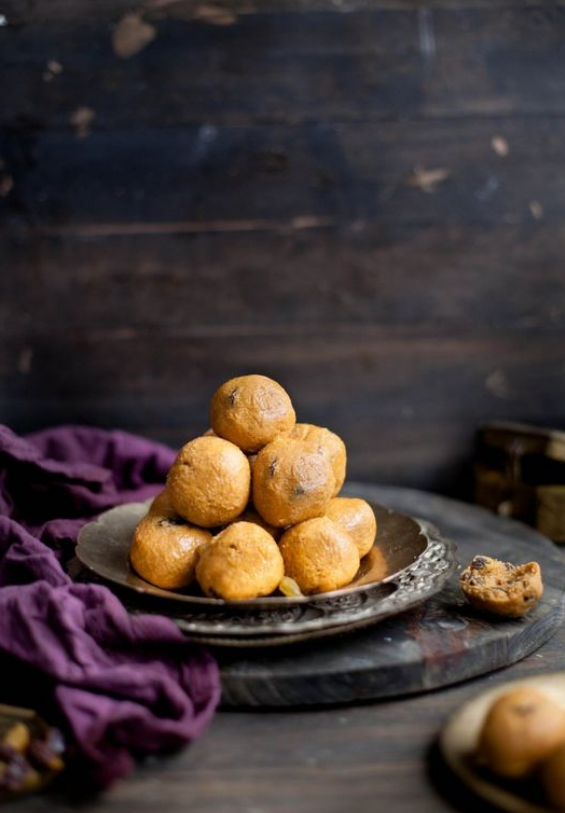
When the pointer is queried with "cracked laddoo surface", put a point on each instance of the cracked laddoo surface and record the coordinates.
(357, 518)
(209, 482)
(242, 562)
(328, 441)
(319, 555)
(292, 482)
(251, 411)
(164, 550)
(501, 587)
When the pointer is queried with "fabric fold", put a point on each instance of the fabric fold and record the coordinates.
(120, 686)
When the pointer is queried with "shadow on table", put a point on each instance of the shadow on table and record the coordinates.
(450, 787)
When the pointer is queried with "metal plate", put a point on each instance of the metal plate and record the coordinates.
(460, 735)
(103, 547)
(409, 563)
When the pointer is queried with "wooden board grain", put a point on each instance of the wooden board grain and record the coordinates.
(439, 643)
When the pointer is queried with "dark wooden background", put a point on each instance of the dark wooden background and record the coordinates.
(362, 198)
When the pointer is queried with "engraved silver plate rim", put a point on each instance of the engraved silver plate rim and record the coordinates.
(89, 534)
(417, 583)
(286, 620)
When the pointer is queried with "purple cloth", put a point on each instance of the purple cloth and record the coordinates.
(120, 686)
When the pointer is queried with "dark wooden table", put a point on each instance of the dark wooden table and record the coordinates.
(361, 758)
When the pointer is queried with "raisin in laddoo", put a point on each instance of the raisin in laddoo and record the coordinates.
(501, 587)
(251, 411)
(164, 550)
(521, 729)
(209, 482)
(357, 518)
(319, 555)
(330, 442)
(292, 482)
(243, 562)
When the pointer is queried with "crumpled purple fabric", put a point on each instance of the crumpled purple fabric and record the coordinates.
(120, 686)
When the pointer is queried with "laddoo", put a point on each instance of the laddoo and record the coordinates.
(164, 550)
(240, 563)
(292, 482)
(251, 515)
(251, 411)
(209, 482)
(552, 775)
(330, 442)
(501, 587)
(357, 518)
(319, 555)
(162, 505)
(521, 728)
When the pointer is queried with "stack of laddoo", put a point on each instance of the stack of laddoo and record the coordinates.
(251, 506)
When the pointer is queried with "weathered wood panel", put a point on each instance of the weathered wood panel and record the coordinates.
(26, 11)
(258, 196)
(262, 177)
(430, 279)
(290, 68)
(406, 405)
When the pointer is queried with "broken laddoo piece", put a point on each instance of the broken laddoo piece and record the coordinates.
(241, 563)
(292, 482)
(251, 411)
(501, 587)
(522, 727)
(209, 482)
(319, 555)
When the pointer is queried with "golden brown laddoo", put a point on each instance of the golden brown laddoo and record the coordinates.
(319, 555)
(209, 482)
(292, 482)
(521, 728)
(242, 562)
(164, 550)
(251, 411)
(552, 775)
(357, 518)
(251, 515)
(162, 505)
(330, 442)
(501, 587)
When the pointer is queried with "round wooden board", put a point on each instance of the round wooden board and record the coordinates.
(439, 643)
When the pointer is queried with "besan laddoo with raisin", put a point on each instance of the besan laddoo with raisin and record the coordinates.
(210, 481)
(327, 441)
(251, 411)
(242, 562)
(319, 555)
(164, 550)
(292, 482)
